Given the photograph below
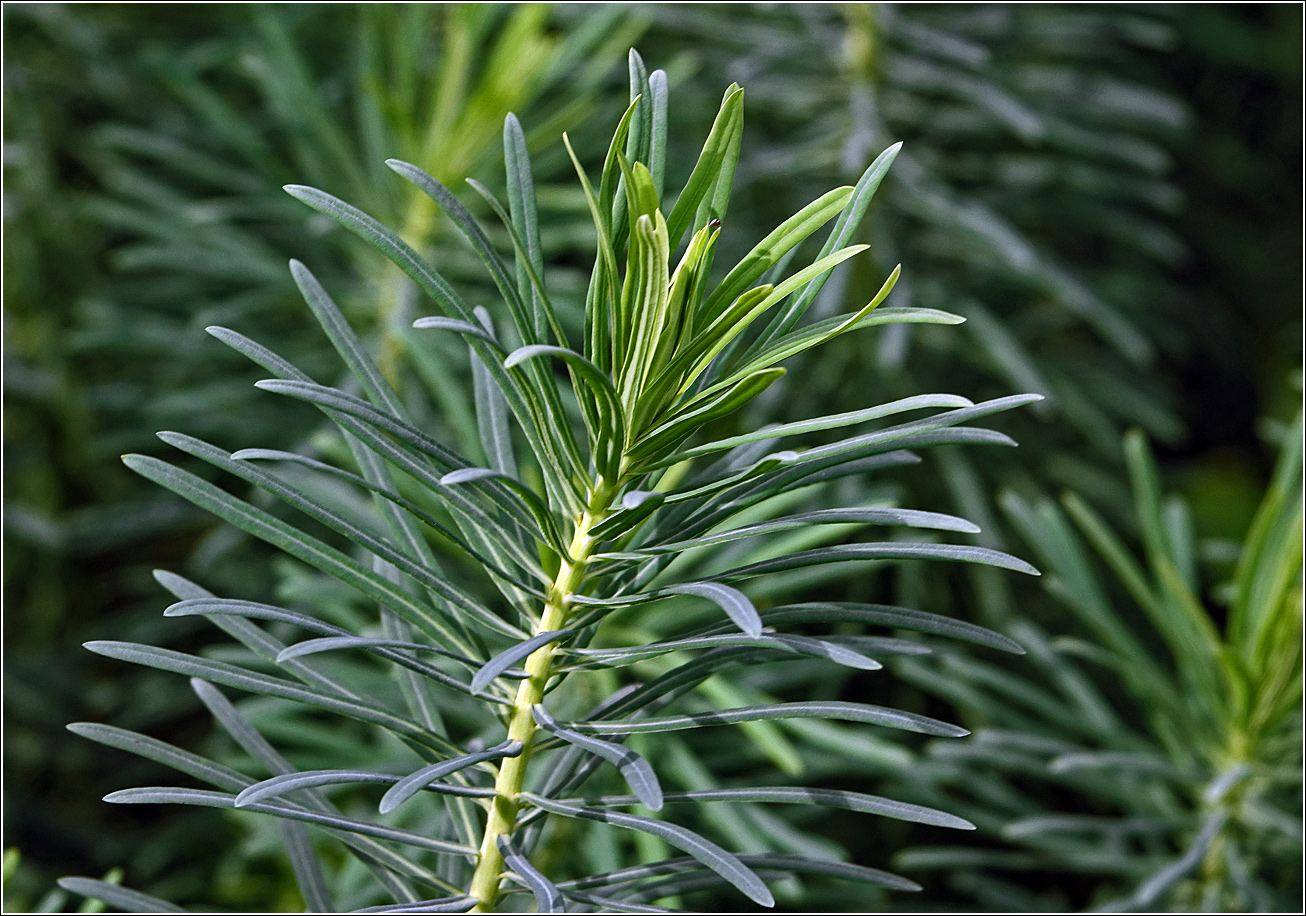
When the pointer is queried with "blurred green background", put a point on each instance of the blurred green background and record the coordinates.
(1111, 196)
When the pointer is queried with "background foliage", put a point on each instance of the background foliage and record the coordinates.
(1103, 196)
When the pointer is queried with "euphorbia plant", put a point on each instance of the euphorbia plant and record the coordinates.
(501, 642)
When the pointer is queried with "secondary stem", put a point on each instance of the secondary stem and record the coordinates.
(521, 725)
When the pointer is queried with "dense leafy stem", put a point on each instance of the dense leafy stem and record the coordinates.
(582, 526)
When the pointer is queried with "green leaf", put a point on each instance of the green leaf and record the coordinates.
(800, 864)
(725, 864)
(285, 783)
(548, 899)
(307, 868)
(121, 897)
(262, 684)
(891, 550)
(194, 765)
(633, 768)
(335, 643)
(345, 340)
(938, 421)
(608, 431)
(845, 228)
(889, 616)
(819, 424)
(410, 785)
(731, 600)
(492, 412)
(206, 799)
(457, 904)
(525, 220)
(509, 657)
(821, 332)
(834, 798)
(228, 607)
(440, 323)
(908, 517)
(849, 712)
(636, 506)
(657, 160)
(290, 539)
(725, 133)
(804, 645)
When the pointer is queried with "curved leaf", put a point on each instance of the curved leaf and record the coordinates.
(754, 860)
(636, 770)
(548, 898)
(891, 550)
(123, 898)
(167, 795)
(440, 323)
(241, 679)
(834, 421)
(849, 712)
(229, 607)
(457, 904)
(831, 798)
(508, 657)
(725, 864)
(413, 783)
(636, 506)
(731, 600)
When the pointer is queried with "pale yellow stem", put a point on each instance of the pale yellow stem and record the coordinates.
(502, 819)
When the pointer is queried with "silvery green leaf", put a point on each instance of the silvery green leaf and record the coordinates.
(500, 663)
(848, 712)
(410, 785)
(836, 798)
(636, 770)
(121, 897)
(726, 864)
(548, 898)
(206, 799)
(731, 600)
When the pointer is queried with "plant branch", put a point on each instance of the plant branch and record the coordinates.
(521, 725)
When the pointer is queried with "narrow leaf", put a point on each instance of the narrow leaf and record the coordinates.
(731, 600)
(509, 657)
(548, 898)
(410, 785)
(121, 897)
(833, 798)
(636, 770)
(205, 799)
(848, 712)
(724, 863)
(892, 550)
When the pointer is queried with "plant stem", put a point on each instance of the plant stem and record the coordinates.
(521, 725)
